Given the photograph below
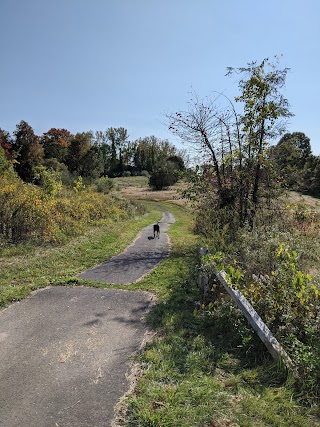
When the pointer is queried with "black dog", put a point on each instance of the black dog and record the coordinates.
(156, 230)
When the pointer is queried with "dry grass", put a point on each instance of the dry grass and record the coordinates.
(130, 181)
(139, 190)
(310, 202)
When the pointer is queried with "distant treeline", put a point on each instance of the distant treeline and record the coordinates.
(110, 153)
(87, 154)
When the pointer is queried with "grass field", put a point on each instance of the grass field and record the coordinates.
(130, 181)
(136, 188)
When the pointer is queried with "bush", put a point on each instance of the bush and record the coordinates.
(104, 185)
(163, 176)
(24, 212)
(78, 185)
(29, 213)
(49, 181)
(270, 265)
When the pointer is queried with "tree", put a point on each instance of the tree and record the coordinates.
(292, 156)
(101, 141)
(78, 147)
(55, 144)
(315, 181)
(85, 157)
(309, 179)
(163, 175)
(144, 156)
(299, 141)
(91, 164)
(118, 138)
(28, 150)
(263, 108)
(177, 162)
(235, 144)
(6, 144)
(149, 151)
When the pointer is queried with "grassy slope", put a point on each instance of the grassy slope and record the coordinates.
(310, 202)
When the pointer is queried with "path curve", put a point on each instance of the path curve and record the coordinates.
(65, 352)
(141, 257)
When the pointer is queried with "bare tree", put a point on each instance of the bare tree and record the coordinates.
(236, 143)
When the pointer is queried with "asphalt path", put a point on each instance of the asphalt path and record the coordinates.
(65, 352)
(141, 257)
(64, 355)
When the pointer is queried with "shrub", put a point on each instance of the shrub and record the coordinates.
(104, 185)
(163, 176)
(30, 212)
(24, 212)
(49, 181)
(271, 265)
(78, 184)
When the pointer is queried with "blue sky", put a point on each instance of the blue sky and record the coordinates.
(92, 64)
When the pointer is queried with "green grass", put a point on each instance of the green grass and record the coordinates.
(25, 268)
(204, 367)
(197, 374)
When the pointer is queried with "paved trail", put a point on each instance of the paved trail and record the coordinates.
(64, 352)
(139, 258)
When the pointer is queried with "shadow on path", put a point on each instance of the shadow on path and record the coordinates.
(138, 259)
